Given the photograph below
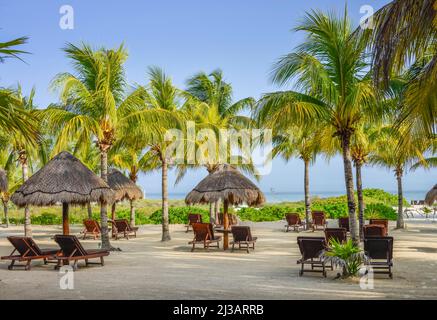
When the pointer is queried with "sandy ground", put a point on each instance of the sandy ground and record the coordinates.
(149, 269)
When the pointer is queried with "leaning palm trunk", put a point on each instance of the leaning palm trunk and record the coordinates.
(400, 220)
(358, 166)
(106, 245)
(165, 219)
(27, 220)
(5, 210)
(347, 162)
(90, 210)
(307, 194)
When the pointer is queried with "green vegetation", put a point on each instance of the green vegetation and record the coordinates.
(347, 256)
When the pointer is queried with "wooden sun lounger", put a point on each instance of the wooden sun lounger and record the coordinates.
(293, 221)
(243, 237)
(339, 234)
(380, 254)
(92, 228)
(319, 220)
(72, 250)
(383, 222)
(374, 230)
(193, 218)
(27, 251)
(123, 228)
(204, 234)
(311, 248)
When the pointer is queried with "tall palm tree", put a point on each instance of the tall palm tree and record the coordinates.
(303, 142)
(333, 89)
(388, 154)
(8, 50)
(166, 100)
(95, 105)
(404, 32)
(213, 108)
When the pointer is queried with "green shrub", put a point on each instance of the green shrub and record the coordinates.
(379, 211)
(381, 196)
(269, 213)
(178, 215)
(140, 218)
(347, 256)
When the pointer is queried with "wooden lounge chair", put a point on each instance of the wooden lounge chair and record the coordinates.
(92, 228)
(72, 250)
(193, 218)
(27, 250)
(339, 234)
(344, 223)
(293, 221)
(383, 222)
(319, 220)
(243, 237)
(204, 234)
(374, 230)
(123, 228)
(380, 254)
(311, 249)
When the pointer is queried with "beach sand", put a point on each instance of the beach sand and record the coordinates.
(149, 269)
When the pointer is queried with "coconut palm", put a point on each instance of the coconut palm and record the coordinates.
(332, 88)
(95, 105)
(213, 108)
(8, 50)
(405, 32)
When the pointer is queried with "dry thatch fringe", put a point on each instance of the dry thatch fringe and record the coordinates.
(431, 196)
(226, 183)
(123, 187)
(64, 179)
(3, 181)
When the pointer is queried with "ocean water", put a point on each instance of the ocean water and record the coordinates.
(275, 197)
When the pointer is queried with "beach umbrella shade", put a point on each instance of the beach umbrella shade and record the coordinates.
(431, 196)
(3, 181)
(65, 180)
(228, 185)
(124, 189)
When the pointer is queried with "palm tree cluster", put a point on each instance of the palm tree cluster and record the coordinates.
(367, 95)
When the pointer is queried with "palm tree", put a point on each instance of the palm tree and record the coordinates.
(7, 49)
(94, 105)
(334, 91)
(303, 142)
(388, 154)
(211, 99)
(404, 32)
(166, 100)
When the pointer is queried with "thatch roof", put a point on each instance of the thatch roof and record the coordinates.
(3, 180)
(63, 179)
(123, 187)
(226, 183)
(431, 196)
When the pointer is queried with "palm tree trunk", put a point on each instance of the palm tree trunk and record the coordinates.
(216, 210)
(132, 214)
(5, 210)
(307, 193)
(358, 166)
(27, 222)
(211, 213)
(348, 176)
(90, 210)
(400, 221)
(106, 245)
(165, 220)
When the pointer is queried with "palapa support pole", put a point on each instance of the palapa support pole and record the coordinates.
(225, 225)
(113, 219)
(65, 222)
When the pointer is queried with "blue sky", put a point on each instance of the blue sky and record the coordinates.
(242, 37)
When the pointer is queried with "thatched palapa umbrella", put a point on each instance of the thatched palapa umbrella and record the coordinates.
(124, 189)
(230, 186)
(66, 180)
(431, 196)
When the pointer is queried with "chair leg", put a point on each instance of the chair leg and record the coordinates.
(102, 261)
(233, 247)
(11, 266)
(301, 270)
(74, 265)
(192, 249)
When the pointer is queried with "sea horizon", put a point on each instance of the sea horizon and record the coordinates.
(291, 196)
